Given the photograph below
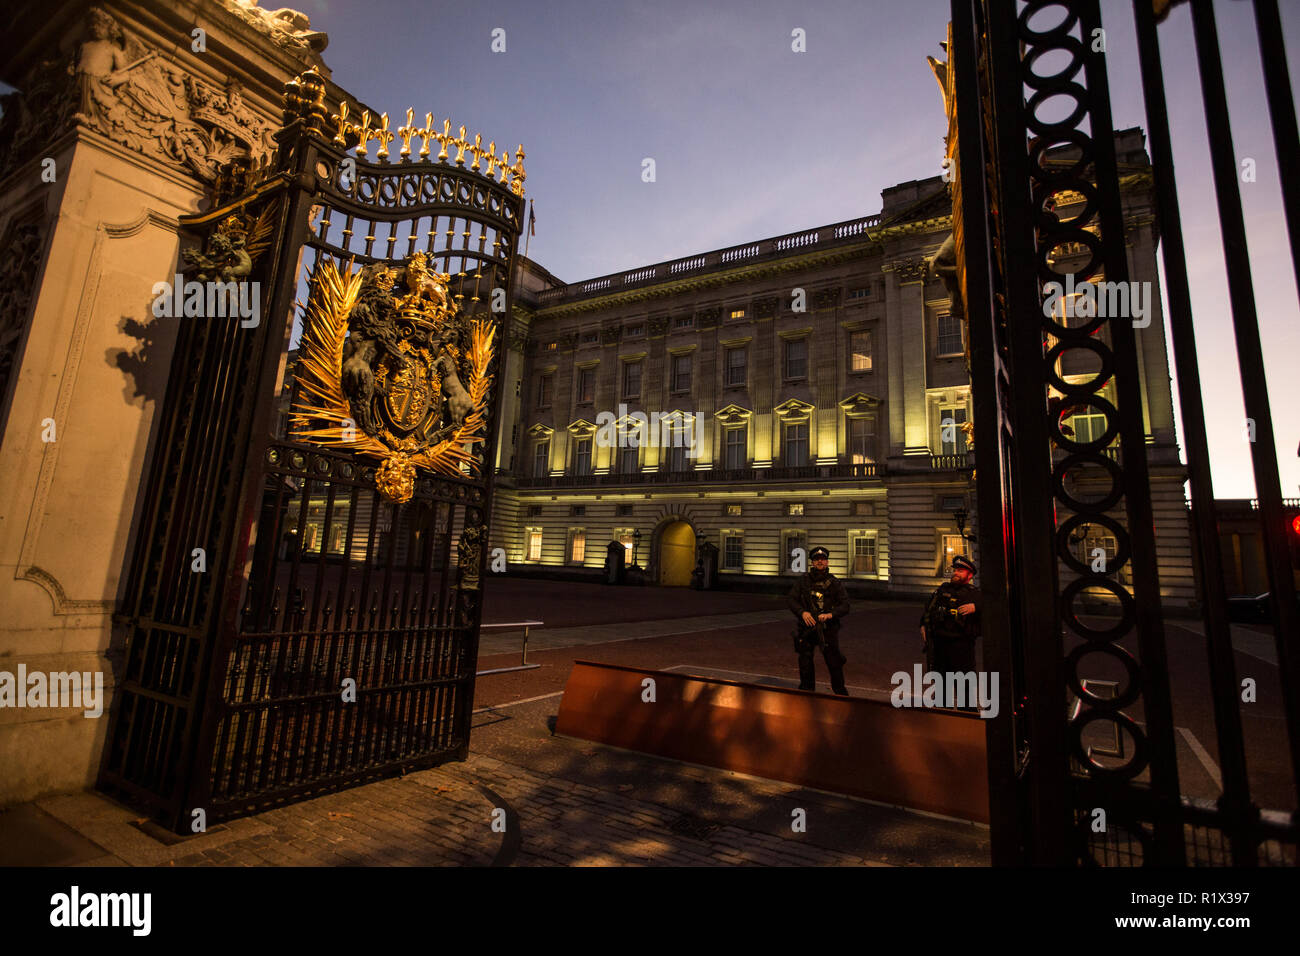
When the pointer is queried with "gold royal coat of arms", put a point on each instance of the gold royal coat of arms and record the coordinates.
(391, 369)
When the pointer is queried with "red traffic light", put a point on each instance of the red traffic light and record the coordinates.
(1295, 524)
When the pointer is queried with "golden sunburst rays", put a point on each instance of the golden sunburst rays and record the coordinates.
(320, 363)
(324, 415)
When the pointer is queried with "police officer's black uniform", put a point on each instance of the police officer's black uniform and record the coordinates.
(819, 593)
(950, 637)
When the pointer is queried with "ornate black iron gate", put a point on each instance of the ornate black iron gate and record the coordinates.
(303, 602)
(1045, 787)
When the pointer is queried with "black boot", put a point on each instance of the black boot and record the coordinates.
(837, 682)
(807, 675)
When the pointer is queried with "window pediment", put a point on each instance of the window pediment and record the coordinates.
(793, 409)
(859, 402)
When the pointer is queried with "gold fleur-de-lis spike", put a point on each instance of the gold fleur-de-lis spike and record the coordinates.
(492, 158)
(477, 150)
(365, 133)
(406, 132)
(341, 119)
(442, 140)
(426, 134)
(384, 135)
(461, 143)
(504, 171)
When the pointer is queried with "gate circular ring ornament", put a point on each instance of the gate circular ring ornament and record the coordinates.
(1041, 97)
(1085, 343)
(1103, 504)
(1131, 767)
(1115, 632)
(1038, 80)
(1066, 176)
(1097, 444)
(1132, 689)
(1062, 29)
(1095, 518)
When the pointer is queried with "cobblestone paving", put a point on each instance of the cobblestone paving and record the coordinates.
(442, 817)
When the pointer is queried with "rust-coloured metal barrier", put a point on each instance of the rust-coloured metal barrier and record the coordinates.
(924, 759)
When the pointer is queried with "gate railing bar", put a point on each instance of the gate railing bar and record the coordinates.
(1281, 109)
(523, 663)
(1037, 582)
(996, 569)
(1157, 698)
(1250, 358)
(1227, 716)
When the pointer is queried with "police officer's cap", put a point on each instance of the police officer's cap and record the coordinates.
(816, 553)
(960, 562)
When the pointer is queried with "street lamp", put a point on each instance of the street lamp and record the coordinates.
(959, 515)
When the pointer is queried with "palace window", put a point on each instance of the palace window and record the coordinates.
(684, 322)
(577, 545)
(796, 359)
(677, 460)
(582, 457)
(950, 546)
(860, 351)
(859, 293)
(681, 373)
(632, 379)
(578, 511)
(952, 440)
(1088, 426)
(544, 390)
(733, 552)
(795, 542)
(628, 462)
(733, 511)
(864, 554)
(1098, 540)
(587, 384)
(541, 459)
(534, 511)
(736, 366)
(534, 552)
(795, 445)
(624, 537)
(735, 453)
(737, 313)
(636, 331)
(862, 439)
(624, 511)
(795, 509)
(590, 338)
(949, 339)
(863, 508)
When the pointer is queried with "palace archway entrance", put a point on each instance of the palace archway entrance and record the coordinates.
(676, 554)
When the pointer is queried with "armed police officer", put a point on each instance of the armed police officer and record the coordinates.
(950, 623)
(818, 601)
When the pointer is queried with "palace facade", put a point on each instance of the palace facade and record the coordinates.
(808, 389)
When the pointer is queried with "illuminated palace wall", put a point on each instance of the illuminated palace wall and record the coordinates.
(825, 377)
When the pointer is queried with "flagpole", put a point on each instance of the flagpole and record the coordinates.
(528, 237)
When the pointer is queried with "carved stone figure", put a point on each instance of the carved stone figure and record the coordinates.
(288, 28)
(139, 98)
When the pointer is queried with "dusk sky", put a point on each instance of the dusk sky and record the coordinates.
(752, 140)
